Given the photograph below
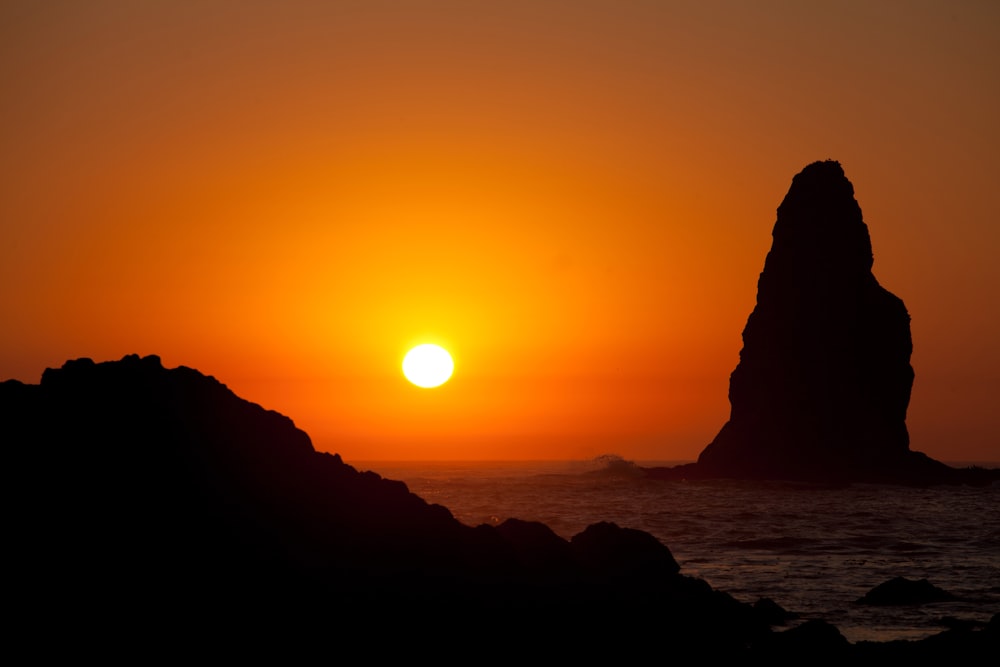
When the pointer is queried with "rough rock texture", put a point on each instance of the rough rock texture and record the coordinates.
(823, 383)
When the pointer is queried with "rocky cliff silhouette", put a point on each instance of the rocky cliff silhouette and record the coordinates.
(155, 513)
(823, 383)
(156, 503)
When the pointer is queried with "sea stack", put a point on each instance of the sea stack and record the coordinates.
(824, 378)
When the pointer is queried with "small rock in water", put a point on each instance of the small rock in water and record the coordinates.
(903, 591)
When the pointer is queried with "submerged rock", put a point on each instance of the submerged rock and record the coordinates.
(903, 591)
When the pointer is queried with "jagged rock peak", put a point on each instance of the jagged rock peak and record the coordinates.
(820, 176)
(819, 227)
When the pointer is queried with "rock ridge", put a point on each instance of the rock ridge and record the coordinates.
(155, 492)
(156, 508)
(158, 512)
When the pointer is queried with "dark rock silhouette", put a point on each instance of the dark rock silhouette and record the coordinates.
(154, 510)
(961, 645)
(153, 493)
(799, 645)
(823, 383)
(903, 591)
(773, 612)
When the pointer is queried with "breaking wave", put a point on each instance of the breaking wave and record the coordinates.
(613, 465)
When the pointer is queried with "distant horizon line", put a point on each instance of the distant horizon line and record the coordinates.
(954, 464)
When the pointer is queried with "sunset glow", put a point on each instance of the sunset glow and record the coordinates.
(574, 199)
(428, 365)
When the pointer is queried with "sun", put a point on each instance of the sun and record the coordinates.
(428, 365)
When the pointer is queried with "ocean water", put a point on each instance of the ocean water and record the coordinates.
(812, 549)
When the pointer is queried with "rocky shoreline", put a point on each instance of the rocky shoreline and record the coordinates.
(166, 508)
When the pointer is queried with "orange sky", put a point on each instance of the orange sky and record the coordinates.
(575, 198)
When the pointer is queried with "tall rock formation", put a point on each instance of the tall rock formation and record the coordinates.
(823, 382)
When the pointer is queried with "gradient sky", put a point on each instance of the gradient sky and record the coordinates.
(575, 198)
